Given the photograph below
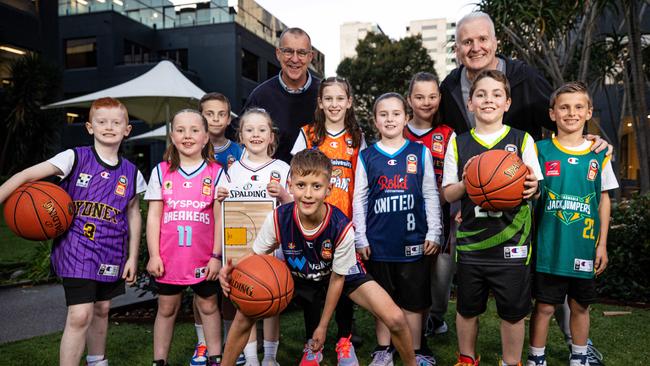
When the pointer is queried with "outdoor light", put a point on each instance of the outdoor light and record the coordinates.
(12, 50)
(82, 2)
(629, 124)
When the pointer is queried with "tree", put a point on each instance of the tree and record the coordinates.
(382, 65)
(30, 133)
(562, 39)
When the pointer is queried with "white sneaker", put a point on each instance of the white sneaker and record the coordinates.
(270, 362)
(382, 358)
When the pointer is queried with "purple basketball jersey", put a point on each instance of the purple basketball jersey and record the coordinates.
(95, 247)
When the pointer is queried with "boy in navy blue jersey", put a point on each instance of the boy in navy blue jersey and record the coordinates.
(215, 107)
(317, 241)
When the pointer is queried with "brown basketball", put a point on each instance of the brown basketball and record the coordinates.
(38, 211)
(495, 180)
(261, 286)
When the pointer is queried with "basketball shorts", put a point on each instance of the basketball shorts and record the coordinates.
(83, 291)
(407, 283)
(509, 284)
(552, 289)
(203, 289)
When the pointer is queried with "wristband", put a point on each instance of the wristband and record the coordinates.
(216, 256)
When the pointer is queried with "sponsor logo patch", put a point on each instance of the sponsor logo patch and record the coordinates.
(552, 168)
(593, 170)
(120, 188)
(83, 180)
(411, 164)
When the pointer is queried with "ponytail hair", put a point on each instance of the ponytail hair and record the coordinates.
(349, 122)
(171, 153)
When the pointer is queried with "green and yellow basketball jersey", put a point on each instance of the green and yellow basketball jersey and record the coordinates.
(568, 224)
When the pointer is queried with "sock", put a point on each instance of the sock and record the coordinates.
(270, 349)
(226, 328)
(578, 350)
(199, 333)
(250, 352)
(537, 351)
(90, 359)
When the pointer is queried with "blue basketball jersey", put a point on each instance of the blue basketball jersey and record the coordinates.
(228, 154)
(311, 257)
(396, 223)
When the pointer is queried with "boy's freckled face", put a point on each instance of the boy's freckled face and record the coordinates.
(309, 192)
(571, 111)
(109, 126)
(218, 116)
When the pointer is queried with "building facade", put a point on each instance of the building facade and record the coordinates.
(352, 33)
(438, 39)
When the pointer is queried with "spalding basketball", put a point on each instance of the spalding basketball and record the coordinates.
(38, 211)
(495, 180)
(261, 286)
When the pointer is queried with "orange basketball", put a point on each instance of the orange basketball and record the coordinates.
(261, 286)
(38, 211)
(495, 180)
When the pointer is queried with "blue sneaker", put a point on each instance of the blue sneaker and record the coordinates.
(594, 356)
(578, 360)
(345, 352)
(422, 360)
(536, 360)
(200, 356)
(241, 360)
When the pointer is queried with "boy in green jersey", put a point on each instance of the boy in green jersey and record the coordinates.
(573, 218)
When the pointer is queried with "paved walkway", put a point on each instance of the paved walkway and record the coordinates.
(26, 312)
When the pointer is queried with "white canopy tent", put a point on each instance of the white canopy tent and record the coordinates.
(151, 97)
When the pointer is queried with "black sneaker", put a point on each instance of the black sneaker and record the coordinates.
(160, 363)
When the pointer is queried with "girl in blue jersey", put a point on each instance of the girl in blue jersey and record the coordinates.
(396, 214)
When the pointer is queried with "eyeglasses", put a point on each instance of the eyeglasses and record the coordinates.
(288, 52)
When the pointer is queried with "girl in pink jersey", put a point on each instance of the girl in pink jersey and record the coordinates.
(183, 232)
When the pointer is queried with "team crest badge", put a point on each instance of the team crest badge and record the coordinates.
(411, 164)
(437, 147)
(593, 170)
(167, 187)
(120, 188)
(275, 176)
(231, 160)
(349, 151)
(552, 168)
(511, 148)
(437, 137)
(348, 142)
(83, 180)
(326, 250)
(207, 186)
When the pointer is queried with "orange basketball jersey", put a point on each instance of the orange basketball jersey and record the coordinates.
(344, 163)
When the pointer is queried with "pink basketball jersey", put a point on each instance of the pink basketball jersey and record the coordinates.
(187, 223)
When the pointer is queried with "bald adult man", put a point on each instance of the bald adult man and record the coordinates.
(476, 46)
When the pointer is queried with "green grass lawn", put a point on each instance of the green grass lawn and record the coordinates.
(623, 340)
(13, 249)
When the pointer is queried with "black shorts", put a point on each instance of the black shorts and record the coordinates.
(203, 289)
(407, 283)
(509, 284)
(83, 291)
(552, 289)
(316, 291)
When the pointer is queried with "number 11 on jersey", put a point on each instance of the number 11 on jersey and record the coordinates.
(184, 235)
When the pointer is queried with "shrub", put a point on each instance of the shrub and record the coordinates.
(627, 277)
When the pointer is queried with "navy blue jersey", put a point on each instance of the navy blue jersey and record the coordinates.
(228, 154)
(396, 222)
(311, 257)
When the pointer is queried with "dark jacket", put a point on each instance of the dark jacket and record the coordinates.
(529, 91)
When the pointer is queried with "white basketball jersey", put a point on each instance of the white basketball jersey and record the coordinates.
(250, 180)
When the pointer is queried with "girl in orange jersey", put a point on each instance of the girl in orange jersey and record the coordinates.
(336, 133)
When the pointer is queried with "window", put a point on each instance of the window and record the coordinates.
(426, 39)
(249, 65)
(80, 53)
(135, 53)
(431, 26)
(272, 70)
(179, 57)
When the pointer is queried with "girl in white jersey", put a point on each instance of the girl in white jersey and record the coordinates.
(184, 233)
(257, 174)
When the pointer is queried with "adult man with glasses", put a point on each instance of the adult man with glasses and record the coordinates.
(290, 97)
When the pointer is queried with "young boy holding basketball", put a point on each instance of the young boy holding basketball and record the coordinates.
(573, 210)
(493, 248)
(317, 241)
(93, 258)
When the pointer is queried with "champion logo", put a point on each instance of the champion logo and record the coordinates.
(105, 174)
(573, 160)
(392, 162)
(255, 178)
(187, 184)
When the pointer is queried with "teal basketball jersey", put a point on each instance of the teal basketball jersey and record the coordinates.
(567, 210)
